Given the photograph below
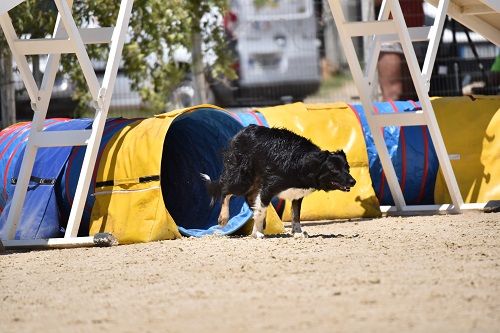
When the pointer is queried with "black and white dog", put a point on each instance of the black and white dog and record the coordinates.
(261, 163)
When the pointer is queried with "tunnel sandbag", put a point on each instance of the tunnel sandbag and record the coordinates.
(40, 217)
(331, 127)
(411, 151)
(72, 169)
(471, 132)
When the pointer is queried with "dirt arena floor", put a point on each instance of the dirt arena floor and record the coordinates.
(395, 274)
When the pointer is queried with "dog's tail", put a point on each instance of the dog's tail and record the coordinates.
(214, 188)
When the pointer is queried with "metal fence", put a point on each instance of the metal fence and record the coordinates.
(290, 51)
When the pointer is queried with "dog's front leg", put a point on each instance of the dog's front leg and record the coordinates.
(259, 215)
(296, 228)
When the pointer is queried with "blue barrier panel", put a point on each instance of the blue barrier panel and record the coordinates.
(40, 216)
(411, 152)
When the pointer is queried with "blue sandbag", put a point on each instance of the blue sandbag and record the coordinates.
(193, 145)
(40, 215)
(412, 154)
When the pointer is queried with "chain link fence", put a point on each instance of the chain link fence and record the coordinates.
(289, 51)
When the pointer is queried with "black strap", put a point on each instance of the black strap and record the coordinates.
(38, 180)
(145, 179)
(148, 179)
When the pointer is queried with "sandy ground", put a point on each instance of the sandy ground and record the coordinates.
(396, 274)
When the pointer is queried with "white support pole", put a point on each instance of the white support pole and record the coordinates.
(40, 104)
(375, 46)
(365, 93)
(434, 39)
(104, 101)
(68, 38)
(396, 29)
(423, 96)
(80, 51)
(22, 63)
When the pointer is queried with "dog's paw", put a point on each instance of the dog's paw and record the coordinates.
(222, 221)
(258, 235)
(302, 234)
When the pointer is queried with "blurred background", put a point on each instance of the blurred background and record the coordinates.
(254, 53)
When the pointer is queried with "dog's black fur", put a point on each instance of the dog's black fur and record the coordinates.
(261, 163)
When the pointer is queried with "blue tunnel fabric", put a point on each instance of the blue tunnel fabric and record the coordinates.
(71, 173)
(40, 215)
(194, 144)
(412, 154)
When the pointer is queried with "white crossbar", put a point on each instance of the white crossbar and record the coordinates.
(419, 34)
(7, 5)
(61, 138)
(357, 29)
(62, 44)
(66, 38)
(489, 29)
(399, 119)
(395, 29)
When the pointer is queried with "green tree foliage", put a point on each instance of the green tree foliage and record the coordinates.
(157, 29)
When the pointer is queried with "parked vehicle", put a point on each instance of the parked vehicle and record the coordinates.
(276, 51)
(463, 57)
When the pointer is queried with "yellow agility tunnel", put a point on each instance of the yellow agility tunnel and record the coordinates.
(147, 185)
(171, 200)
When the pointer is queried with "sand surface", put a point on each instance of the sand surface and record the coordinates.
(395, 274)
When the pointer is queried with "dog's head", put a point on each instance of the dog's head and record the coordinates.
(333, 172)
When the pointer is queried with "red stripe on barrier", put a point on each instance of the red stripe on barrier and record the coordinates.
(356, 114)
(9, 161)
(421, 193)
(402, 138)
(280, 205)
(234, 116)
(426, 165)
(5, 134)
(254, 114)
(49, 122)
(72, 156)
(13, 138)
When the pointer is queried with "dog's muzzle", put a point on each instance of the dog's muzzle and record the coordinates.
(343, 188)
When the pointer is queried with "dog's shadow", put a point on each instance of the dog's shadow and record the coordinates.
(288, 235)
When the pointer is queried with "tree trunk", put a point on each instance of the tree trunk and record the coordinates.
(7, 91)
(199, 82)
(37, 73)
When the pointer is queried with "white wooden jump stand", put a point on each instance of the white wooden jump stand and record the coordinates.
(67, 38)
(478, 15)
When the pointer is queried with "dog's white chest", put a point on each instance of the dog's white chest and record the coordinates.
(295, 193)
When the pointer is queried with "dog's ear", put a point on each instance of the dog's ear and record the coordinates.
(341, 153)
(314, 160)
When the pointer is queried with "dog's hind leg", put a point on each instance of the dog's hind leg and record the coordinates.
(296, 228)
(224, 212)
